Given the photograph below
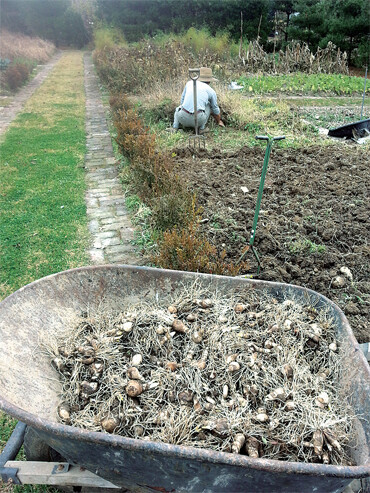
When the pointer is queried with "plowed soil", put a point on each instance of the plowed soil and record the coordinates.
(314, 217)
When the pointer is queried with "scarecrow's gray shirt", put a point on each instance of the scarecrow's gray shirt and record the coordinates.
(205, 95)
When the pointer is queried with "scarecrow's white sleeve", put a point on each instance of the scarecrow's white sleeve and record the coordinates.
(213, 102)
(183, 95)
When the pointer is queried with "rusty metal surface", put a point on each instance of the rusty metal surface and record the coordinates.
(47, 304)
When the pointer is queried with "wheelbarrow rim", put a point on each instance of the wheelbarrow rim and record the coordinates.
(186, 452)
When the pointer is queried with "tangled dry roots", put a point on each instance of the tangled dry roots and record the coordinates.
(245, 374)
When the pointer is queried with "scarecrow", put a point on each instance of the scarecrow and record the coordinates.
(206, 104)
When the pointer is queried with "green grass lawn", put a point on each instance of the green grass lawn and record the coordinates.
(43, 213)
(43, 225)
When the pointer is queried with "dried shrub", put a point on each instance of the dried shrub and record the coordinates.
(118, 101)
(173, 209)
(16, 75)
(135, 141)
(133, 137)
(186, 249)
(151, 173)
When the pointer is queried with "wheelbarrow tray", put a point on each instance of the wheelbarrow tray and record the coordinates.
(30, 389)
(348, 130)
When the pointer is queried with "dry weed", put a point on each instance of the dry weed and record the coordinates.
(17, 45)
(297, 57)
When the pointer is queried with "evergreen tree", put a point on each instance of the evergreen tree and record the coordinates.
(347, 24)
(308, 24)
(286, 7)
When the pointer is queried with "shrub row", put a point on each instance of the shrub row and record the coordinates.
(152, 172)
(175, 215)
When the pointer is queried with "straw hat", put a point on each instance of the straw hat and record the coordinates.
(205, 75)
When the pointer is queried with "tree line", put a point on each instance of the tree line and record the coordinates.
(344, 22)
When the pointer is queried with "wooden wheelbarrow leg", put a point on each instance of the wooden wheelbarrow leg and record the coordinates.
(56, 473)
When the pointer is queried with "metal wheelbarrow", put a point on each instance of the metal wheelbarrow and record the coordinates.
(29, 391)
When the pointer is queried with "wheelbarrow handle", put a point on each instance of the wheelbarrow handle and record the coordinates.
(13, 445)
(194, 73)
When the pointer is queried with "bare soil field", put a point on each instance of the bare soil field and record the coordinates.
(314, 217)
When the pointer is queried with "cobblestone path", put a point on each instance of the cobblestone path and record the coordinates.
(8, 113)
(109, 224)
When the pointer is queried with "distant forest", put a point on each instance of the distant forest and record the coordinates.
(69, 22)
(55, 20)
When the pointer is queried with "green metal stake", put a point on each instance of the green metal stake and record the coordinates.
(270, 141)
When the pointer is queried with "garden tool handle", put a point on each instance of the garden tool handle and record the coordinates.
(265, 137)
(194, 73)
(270, 141)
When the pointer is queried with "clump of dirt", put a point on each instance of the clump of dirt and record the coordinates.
(313, 227)
(240, 373)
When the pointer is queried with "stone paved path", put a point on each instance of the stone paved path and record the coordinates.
(109, 224)
(8, 113)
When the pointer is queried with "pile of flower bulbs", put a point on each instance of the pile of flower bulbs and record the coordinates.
(246, 374)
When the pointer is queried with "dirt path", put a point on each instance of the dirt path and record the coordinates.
(8, 113)
(109, 224)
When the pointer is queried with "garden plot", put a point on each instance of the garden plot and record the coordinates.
(314, 222)
(330, 117)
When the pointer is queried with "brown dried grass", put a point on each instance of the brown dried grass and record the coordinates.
(17, 45)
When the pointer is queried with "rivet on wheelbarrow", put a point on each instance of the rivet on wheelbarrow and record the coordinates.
(196, 140)
(61, 468)
(270, 141)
